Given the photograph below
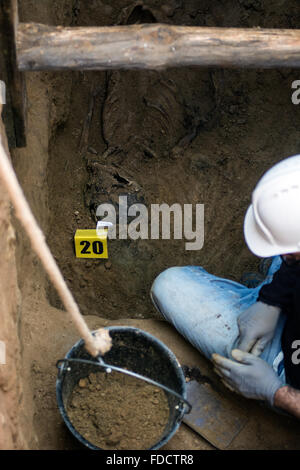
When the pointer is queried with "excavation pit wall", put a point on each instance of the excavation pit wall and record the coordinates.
(177, 136)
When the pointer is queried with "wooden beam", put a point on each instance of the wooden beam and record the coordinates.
(15, 83)
(41, 47)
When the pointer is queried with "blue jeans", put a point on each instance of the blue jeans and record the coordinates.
(204, 309)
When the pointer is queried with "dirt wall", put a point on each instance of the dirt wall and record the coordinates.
(23, 323)
(21, 275)
(11, 435)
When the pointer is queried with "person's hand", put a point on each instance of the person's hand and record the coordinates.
(257, 325)
(250, 376)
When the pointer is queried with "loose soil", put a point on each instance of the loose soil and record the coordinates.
(214, 134)
(116, 411)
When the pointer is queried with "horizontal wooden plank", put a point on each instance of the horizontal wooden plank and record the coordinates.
(155, 46)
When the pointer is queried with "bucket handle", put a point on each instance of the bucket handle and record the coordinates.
(109, 368)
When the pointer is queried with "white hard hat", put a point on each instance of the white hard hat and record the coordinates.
(272, 222)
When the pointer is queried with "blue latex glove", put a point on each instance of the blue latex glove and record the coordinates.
(257, 326)
(250, 376)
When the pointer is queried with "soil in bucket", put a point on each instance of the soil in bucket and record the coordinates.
(117, 412)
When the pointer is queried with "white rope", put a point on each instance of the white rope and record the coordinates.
(101, 342)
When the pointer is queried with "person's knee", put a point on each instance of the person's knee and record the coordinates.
(163, 286)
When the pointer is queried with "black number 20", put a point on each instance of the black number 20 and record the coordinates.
(97, 247)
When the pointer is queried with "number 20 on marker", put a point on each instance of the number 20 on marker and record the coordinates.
(88, 244)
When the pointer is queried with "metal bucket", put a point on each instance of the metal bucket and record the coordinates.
(144, 357)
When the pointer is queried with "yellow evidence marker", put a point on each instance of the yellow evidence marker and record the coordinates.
(91, 243)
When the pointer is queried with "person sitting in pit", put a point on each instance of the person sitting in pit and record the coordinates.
(252, 335)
